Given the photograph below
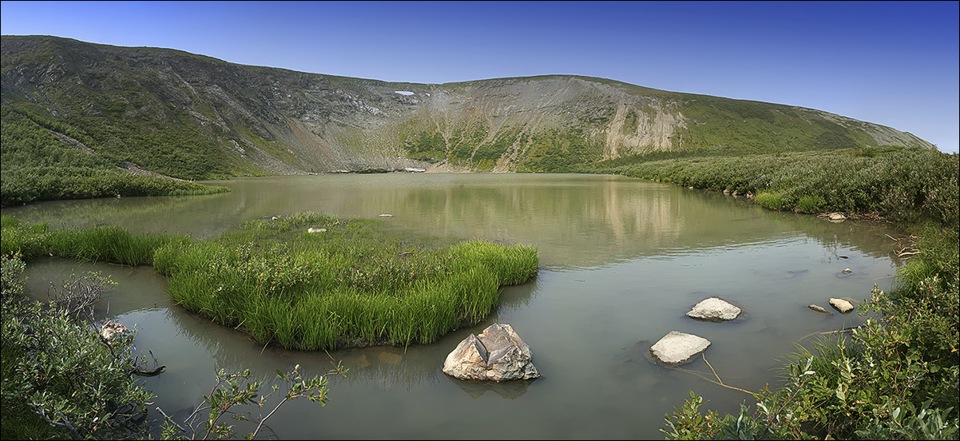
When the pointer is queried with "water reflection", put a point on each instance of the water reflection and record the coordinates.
(510, 390)
(573, 220)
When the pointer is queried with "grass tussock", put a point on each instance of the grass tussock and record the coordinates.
(353, 284)
(100, 244)
(356, 283)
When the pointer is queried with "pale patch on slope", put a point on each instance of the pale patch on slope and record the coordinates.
(643, 133)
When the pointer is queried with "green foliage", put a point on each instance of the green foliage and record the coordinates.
(356, 283)
(906, 185)
(109, 244)
(895, 377)
(810, 204)
(716, 123)
(235, 389)
(353, 284)
(62, 380)
(770, 200)
(559, 151)
(46, 160)
(60, 371)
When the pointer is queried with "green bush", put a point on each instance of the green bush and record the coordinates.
(60, 370)
(810, 204)
(904, 185)
(895, 377)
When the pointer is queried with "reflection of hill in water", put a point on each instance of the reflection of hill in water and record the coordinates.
(573, 220)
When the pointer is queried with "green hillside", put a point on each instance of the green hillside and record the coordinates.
(70, 107)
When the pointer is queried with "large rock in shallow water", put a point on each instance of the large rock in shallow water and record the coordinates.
(842, 305)
(714, 309)
(497, 354)
(678, 347)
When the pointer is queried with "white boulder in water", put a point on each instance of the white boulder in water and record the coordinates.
(714, 308)
(844, 306)
(677, 347)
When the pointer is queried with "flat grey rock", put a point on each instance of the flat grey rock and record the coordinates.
(677, 347)
(842, 305)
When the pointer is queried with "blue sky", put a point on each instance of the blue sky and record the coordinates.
(891, 63)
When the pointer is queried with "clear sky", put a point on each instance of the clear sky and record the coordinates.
(891, 63)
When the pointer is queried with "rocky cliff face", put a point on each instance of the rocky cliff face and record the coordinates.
(197, 117)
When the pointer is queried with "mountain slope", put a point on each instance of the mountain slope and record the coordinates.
(197, 117)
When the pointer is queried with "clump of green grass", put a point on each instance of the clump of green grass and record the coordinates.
(771, 200)
(355, 284)
(810, 204)
(106, 244)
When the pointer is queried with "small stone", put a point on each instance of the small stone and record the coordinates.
(836, 216)
(841, 305)
(819, 308)
(677, 347)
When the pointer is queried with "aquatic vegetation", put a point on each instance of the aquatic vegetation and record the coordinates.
(357, 283)
(60, 380)
(354, 284)
(106, 244)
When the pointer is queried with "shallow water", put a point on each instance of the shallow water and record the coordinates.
(622, 260)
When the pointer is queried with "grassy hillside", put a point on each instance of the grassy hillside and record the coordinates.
(46, 163)
(195, 117)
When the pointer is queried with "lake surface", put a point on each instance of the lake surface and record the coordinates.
(622, 260)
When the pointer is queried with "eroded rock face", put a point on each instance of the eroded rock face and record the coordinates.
(497, 354)
(677, 347)
(842, 305)
(714, 308)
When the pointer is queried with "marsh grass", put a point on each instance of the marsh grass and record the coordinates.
(101, 244)
(358, 283)
(355, 284)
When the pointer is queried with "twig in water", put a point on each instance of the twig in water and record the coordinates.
(718, 382)
(835, 331)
